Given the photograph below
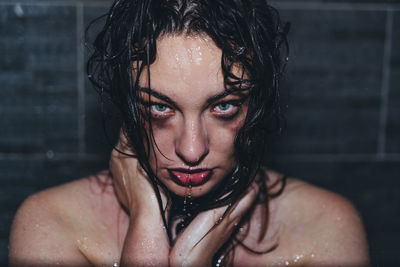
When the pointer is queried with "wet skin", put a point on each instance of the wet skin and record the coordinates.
(195, 128)
(101, 221)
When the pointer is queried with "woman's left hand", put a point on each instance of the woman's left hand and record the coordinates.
(195, 246)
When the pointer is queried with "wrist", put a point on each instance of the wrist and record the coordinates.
(149, 214)
(148, 207)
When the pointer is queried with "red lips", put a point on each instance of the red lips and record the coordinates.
(190, 177)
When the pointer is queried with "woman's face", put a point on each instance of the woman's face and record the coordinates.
(194, 118)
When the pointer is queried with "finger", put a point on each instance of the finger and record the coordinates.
(214, 219)
(241, 206)
(208, 232)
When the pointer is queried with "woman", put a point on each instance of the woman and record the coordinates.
(196, 83)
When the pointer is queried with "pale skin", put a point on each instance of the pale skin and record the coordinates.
(100, 221)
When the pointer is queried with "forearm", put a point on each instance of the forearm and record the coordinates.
(146, 243)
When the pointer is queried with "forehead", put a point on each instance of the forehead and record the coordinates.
(186, 65)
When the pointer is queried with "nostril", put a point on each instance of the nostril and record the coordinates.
(192, 161)
(192, 153)
(192, 144)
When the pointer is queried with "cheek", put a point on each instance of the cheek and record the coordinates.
(224, 133)
(163, 133)
(222, 138)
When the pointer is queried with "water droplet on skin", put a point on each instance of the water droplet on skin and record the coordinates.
(298, 257)
(83, 244)
(218, 264)
(163, 227)
(187, 189)
(219, 220)
(123, 180)
(286, 263)
(190, 195)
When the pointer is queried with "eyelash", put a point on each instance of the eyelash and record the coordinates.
(159, 114)
(224, 115)
(227, 115)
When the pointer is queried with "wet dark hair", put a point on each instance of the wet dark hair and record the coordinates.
(250, 35)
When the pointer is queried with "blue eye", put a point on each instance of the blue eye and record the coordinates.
(224, 106)
(159, 107)
(227, 110)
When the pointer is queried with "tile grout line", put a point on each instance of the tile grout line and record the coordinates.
(80, 78)
(70, 3)
(334, 157)
(281, 5)
(53, 157)
(369, 157)
(301, 5)
(385, 86)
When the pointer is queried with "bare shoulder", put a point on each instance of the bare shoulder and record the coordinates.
(44, 230)
(327, 225)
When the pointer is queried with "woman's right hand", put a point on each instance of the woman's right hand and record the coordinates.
(131, 183)
(146, 241)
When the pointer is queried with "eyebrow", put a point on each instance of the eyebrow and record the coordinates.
(224, 94)
(158, 95)
(209, 101)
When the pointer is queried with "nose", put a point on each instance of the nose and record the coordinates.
(192, 144)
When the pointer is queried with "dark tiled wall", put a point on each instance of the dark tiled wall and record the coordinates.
(393, 125)
(342, 102)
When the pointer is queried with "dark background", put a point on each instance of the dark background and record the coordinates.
(342, 94)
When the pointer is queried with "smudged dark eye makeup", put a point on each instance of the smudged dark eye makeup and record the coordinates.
(163, 107)
(225, 110)
(156, 110)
